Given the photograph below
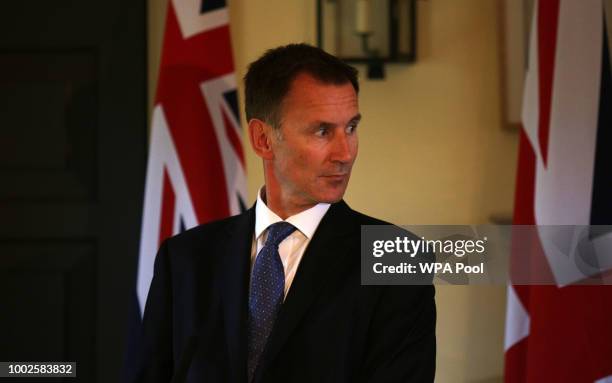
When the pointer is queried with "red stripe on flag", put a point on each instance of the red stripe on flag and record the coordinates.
(570, 334)
(525, 183)
(548, 20)
(166, 220)
(515, 369)
(523, 197)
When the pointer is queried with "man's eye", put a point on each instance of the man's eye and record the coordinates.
(351, 128)
(322, 131)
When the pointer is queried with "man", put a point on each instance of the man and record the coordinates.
(274, 294)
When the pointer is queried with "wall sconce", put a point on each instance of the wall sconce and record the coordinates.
(372, 32)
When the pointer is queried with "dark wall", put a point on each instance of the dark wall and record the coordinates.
(72, 162)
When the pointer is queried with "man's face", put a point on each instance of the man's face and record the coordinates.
(318, 143)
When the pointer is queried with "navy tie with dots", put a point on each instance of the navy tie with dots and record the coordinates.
(267, 292)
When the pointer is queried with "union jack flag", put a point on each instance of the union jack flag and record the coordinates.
(563, 332)
(195, 170)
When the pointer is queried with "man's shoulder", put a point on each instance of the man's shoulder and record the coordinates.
(366, 220)
(342, 211)
(214, 230)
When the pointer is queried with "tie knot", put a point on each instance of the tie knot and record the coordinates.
(277, 232)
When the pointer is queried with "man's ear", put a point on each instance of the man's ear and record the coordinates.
(260, 135)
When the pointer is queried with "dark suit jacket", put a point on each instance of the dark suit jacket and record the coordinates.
(329, 329)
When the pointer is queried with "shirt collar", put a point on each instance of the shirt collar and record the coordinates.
(305, 221)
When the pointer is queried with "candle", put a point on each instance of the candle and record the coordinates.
(362, 16)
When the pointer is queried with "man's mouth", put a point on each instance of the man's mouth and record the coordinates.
(336, 177)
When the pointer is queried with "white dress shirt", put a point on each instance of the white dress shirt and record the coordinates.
(292, 248)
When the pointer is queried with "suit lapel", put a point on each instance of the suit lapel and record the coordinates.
(320, 263)
(233, 289)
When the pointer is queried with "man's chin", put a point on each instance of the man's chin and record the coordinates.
(331, 198)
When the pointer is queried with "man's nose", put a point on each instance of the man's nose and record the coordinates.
(343, 147)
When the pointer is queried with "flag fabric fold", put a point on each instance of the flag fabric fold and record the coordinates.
(562, 333)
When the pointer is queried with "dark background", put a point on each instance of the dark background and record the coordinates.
(72, 162)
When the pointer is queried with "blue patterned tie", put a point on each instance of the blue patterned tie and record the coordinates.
(267, 292)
